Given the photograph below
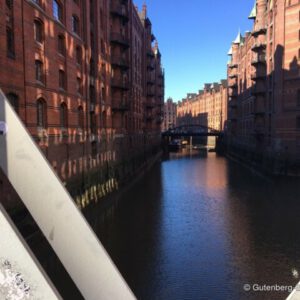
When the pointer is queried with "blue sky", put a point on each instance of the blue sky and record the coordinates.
(194, 37)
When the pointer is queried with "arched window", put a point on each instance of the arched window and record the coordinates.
(13, 100)
(75, 24)
(9, 4)
(38, 31)
(41, 109)
(80, 117)
(61, 45)
(78, 55)
(57, 10)
(63, 115)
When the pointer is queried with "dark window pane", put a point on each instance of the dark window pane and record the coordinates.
(14, 101)
(38, 31)
(39, 76)
(63, 115)
(10, 43)
(61, 45)
(57, 10)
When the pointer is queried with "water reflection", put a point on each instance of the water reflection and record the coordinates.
(200, 227)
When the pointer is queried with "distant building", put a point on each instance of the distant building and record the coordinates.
(264, 84)
(170, 115)
(207, 108)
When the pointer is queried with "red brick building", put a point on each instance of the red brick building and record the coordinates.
(170, 115)
(264, 86)
(76, 73)
(207, 108)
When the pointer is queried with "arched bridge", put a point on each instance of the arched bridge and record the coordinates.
(191, 130)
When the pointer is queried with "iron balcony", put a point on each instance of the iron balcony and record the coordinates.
(233, 93)
(119, 83)
(258, 90)
(119, 61)
(150, 53)
(120, 105)
(149, 105)
(117, 9)
(232, 66)
(258, 75)
(149, 118)
(150, 65)
(260, 59)
(260, 30)
(150, 92)
(233, 76)
(232, 85)
(119, 39)
(259, 46)
(150, 81)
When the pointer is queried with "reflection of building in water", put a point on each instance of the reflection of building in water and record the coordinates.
(264, 83)
(170, 115)
(80, 74)
(207, 108)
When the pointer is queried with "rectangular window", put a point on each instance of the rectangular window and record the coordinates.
(62, 79)
(10, 42)
(57, 10)
(39, 75)
(61, 46)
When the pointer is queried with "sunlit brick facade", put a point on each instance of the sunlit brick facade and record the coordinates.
(264, 85)
(76, 73)
(208, 108)
(170, 115)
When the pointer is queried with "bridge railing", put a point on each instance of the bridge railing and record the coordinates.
(55, 212)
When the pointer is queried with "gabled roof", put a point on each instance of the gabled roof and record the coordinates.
(253, 12)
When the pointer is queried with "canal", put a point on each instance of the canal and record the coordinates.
(201, 227)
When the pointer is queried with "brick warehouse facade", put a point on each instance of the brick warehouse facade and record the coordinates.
(207, 108)
(264, 88)
(170, 115)
(77, 74)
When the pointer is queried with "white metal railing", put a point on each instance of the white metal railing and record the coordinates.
(21, 276)
(53, 209)
(295, 295)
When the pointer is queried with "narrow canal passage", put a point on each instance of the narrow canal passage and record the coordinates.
(199, 227)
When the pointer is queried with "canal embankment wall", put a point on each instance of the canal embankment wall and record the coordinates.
(268, 164)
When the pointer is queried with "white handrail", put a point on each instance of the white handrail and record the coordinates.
(21, 276)
(295, 295)
(53, 209)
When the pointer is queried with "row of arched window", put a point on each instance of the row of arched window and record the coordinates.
(39, 36)
(58, 13)
(41, 109)
(41, 112)
(63, 111)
